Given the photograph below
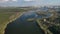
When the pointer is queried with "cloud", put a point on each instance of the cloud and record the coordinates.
(15, 0)
(2, 1)
(6, 0)
(29, 0)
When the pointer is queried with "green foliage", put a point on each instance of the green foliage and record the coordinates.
(5, 14)
(4, 18)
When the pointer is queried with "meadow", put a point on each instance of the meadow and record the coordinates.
(7, 15)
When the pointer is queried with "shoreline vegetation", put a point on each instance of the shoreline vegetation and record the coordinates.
(13, 18)
(7, 16)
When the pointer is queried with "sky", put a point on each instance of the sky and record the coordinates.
(29, 2)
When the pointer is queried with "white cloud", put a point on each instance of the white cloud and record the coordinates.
(15, 0)
(6, 0)
(33, 0)
(2, 1)
(29, 0)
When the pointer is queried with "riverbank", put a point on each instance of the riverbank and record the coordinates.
(8, 20)
(15, 17)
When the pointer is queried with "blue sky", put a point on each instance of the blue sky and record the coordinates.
(28, 2)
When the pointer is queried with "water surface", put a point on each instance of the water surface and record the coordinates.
(22, 26)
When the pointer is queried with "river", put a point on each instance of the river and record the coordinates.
(22, 26)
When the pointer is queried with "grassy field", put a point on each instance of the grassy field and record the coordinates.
(4, 17)
(7, 15)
